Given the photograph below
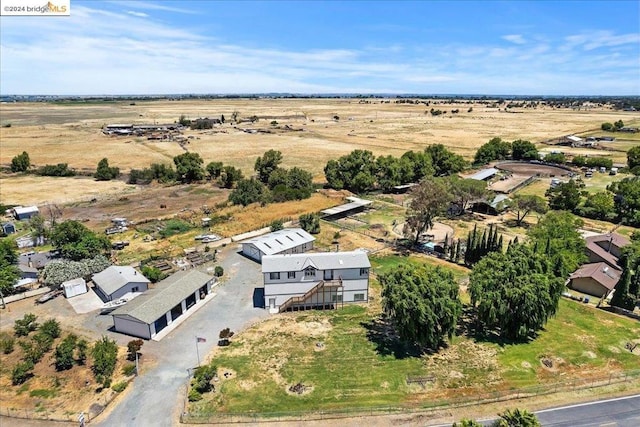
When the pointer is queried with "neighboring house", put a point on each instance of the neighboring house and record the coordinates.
(312, 280)
(606, 248)
(116, 281)
(285, 241)
(150, 313)
(27, 272)
(8, 228)
(597, 279)
(25, 212)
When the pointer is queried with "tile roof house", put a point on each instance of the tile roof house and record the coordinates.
(606, 248)
(597, 279)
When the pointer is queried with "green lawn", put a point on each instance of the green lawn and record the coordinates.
(349, 360)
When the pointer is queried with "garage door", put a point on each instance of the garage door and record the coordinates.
(161, 323)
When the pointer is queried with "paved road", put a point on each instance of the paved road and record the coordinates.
(621, 412)
(156, 398)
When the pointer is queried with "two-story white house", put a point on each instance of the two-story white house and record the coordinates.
(311, 280)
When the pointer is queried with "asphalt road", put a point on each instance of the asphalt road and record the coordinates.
(156, 397)
(620, 412)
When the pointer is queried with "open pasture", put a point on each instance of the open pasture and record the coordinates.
(308, 131)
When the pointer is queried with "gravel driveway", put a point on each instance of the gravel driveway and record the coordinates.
(156, 397)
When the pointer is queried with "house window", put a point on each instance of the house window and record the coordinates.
(336, 298)
(134, 289)
(364, 271)
(291, 275)
(309, 272)
(358, 297)
(274, 276)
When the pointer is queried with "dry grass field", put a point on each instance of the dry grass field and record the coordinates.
(70, 132)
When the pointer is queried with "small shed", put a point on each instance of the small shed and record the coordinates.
(8, 228)
(74, 287)
(354, 206)
(484, 174)
(494, 207)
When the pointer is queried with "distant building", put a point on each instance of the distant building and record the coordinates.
(494, 207)
(484, 174)
(606, 248)
(25, 212)
(285, 241)
(8, 228)
(354, 206)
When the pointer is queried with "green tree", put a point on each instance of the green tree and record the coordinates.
(633, 157)
(293, 184)
(517, 418)
(9, 273)
(423, 303)
(622, 297)
(77, 242)
(525, 204)
(524, 150)
(83, 347)
(514, 292)
(38, 228)
(607, 127)
(266, 164)
(51, 328)
(466, 191)
(189, 167)
(495, 149)
(104, 353)
(354, 172)
(104, 172)
(276, 225)
(248, 191)
(627, 200)
(388, 172)
(564, 196)
(415, 165)
(214, 169)
(230, 176)
(310, 223)
(579, 161)
(557, 158)
(619, 124)
(21, 373)
(63, 354)
(8, 252)
(444, 161)
(599, 205)
(154, 274)
(429, 199)
(133, 347)
(20, 163)
(465, 422)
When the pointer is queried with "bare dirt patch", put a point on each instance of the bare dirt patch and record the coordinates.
(532, 169)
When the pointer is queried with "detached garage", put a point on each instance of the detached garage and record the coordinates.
(74, 287)
(156, 309)
(286, 241)
(115, 281)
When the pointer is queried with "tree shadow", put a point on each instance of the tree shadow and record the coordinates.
(469, 327)
(382, 333)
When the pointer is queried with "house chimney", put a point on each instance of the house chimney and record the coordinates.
(610, 242)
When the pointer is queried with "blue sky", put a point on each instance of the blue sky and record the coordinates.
(426, 47)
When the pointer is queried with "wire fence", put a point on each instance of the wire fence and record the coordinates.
(195, 417)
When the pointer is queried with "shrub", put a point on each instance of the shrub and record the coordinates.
(277, 225)
(50, 327)
(119, 387)
(82, 346)
(129, 369)
(194, 395)
(64, 353)
(152, 273)
(21, 372)
(202, 378)
(27, 324)
(310, 223)
(7, 343)
(61, 169)
(31, 353)
(105, 353)
(218, 271)
(173, 227)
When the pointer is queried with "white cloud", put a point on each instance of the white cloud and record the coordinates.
(139, 14)
(514, 38)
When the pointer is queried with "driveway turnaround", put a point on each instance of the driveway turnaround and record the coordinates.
(156, 397)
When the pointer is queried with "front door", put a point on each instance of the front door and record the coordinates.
(328, 275)
(272, 303)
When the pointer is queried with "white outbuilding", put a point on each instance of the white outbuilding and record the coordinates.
(285, 241)
(74, 287)
(115, 281)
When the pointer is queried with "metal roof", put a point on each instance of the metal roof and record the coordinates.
(168, 293)
(484, 174)
(496, 200)
(115, 277)
(20, 210)
(574, 138)
(319, 260)
(355, 203)
(281, 240)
